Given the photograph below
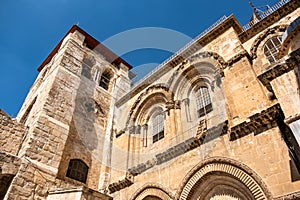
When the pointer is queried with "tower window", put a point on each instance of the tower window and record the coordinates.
(77, 170)
(271, 48)
(203, 101)
(105, 79)
(158, 127)
(86, 68)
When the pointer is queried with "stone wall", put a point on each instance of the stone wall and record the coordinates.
(12, 134)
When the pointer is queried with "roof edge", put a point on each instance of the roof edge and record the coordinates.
(91, 43)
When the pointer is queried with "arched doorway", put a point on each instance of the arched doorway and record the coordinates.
(152, 192)
(222, 178)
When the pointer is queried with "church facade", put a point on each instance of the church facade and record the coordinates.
(220, 119)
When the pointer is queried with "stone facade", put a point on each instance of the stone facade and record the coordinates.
(220, 120)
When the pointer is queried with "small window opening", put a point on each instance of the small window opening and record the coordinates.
(271, 48)
(77, 170)
(104, 80)
(158, 127)
(203, 102)
(87, 68)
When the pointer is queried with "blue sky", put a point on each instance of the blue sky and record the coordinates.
(30, 29)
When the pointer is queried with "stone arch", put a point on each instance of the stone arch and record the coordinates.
(156, 90)
(226, 172)
(210, 57)
(155, 191)
(289, 37)
(263, 36)
(201, 71)
(105, 78)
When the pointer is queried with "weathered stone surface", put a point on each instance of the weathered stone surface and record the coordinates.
(240, 140)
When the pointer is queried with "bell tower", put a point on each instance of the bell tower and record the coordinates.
(69, 111)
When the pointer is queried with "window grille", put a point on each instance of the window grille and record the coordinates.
(203, 102)
(158, 127)
(271, 48)
(77, 170)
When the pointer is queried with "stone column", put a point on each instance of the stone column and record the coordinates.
(178, 117)
(172, 123)
(145, 135)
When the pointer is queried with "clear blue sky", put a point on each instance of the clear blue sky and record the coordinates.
(30, 29)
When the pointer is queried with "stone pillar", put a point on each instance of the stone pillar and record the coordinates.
(172, 123)
(145, 135)
(178, 117)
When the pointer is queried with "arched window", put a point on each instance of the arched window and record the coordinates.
(105, 79)
(86, 68)
(271, 48)
(203, 101)
(158, 127)
(77, 170)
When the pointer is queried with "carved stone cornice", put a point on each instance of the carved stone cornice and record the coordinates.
(170, 105)
(158, 87)
(258, 123)
(264, 35)
(207, 54)
(279, 68)
(126, 181)
(238, 57)
(140, 168)
(292, 196)
(181, 148)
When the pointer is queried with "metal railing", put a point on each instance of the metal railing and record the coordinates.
(266, 13)
(206, 31)
(222, 19)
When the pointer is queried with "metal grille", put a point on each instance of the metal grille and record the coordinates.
(158, 127)
(272, 48)
(203, 101)
(77, 170)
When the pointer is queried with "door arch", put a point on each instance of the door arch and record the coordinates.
(222, 178)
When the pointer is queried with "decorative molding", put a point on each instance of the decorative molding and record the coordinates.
(152, 189)
(207, 54)
(124, 182)
(240, 171)
(264, 35)
(238, 57)
(140, 168)
(291, 196)
(181, 148)
(258, 123)
(152, 90)
(279, 68)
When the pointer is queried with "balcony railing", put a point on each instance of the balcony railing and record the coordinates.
(266, 13)
(205, 32)
(222, 19)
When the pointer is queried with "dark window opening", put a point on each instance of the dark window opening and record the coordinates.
(104, 80)
(271, 48)
(86, 68)
(5, 181)
(158, 127)
(77, 170)
(203, 102)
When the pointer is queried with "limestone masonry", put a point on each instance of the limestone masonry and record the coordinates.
(218, 120)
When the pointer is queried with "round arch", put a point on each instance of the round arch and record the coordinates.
(206, 66)
(220, 176)
(263, 36)
(152, 191)
(160, 91)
